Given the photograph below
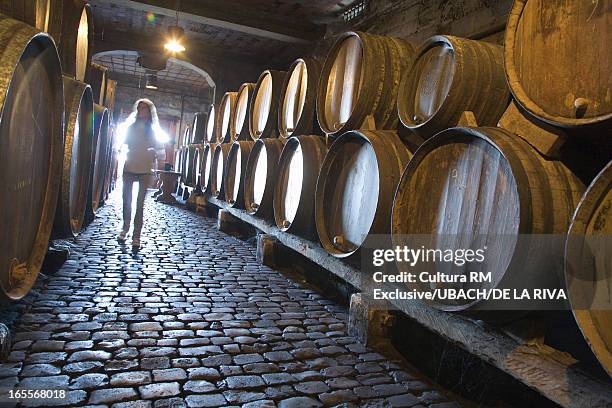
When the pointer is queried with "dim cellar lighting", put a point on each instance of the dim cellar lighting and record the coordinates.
(151, 81)
(175, 38)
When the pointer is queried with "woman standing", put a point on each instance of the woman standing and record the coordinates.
(142, 153)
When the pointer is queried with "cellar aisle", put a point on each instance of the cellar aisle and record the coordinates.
(193, 320)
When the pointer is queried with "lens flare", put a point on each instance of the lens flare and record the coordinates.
(151, 17)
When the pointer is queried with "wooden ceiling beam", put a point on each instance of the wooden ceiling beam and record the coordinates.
(223, 14)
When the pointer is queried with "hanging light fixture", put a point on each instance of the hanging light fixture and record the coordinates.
(176, 35)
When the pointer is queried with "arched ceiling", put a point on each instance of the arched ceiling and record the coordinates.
(179, 75)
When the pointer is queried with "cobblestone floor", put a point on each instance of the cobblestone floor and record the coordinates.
(193, 320)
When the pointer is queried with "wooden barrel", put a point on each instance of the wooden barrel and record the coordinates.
(32, 12)
(359, 82)
(261, 177)
(243, 99)
(557, 60)
(177, 159)
(211, 124)
(31, 150)
(298, 170)
(109, 162)
(207, 156)
(194, 158)
(235, 173)
(227, 110)
(263, 108)
(217, 169)
(109, 96)
(198, 127)
(183, 162)
(451, 75)
(470, 188)
(101, 142)
(78, 147)
(355, 188)
(96, 77)
(298, 99)
(587, 266)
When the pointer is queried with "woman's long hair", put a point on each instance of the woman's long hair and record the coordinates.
(152, 109)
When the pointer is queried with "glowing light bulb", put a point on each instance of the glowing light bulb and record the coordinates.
(174, 45)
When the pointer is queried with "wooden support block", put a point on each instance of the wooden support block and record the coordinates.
(544, 138)
(369, 320)
(232, 225)
(267, 250)
(467, 119)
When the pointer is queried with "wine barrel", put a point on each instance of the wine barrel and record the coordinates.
(298, 99)
(101, 142)
(32, 12)
(261, 177)
(355, 189)
(177, 159)
(70, 23)
(243, 99)
(96, 76)
(109, 95)
(183, 162)
(235, 173)
(211, 124)
(109, 157)
(78, 141)
(31, 150)
(298, 170)
(194, 157)
(227, 111)
(198, 127)
(451, 75)
(470, 188)
(587, 266)
(359, 81)
(217, 169)
(207, 156)
(557, 59)
(263, 109)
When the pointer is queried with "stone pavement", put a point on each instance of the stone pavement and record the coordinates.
(193, 320)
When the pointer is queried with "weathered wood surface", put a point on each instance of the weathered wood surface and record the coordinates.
(354, 90)
(100, 163)
(451, 75)
(235, 172)
(298, 169)
(298, 99)
(355, 188)
(243, 102)
(198, 127)
(485, 187)
(31, 151)
(545, 370)
(77, 164)
(587, 266)
(558, 60)
(227, 112)
(217, 169)
(261, 177)
(96, 77)
(212, 123)
(263, 108)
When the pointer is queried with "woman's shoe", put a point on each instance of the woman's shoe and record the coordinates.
(135, 243)
(121, 236)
